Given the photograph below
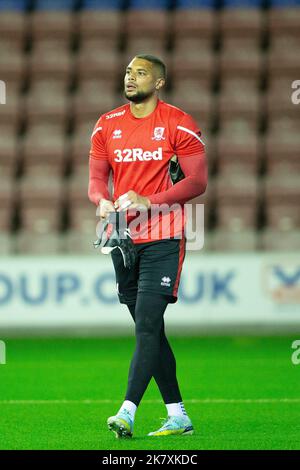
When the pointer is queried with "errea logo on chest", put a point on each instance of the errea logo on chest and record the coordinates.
(117, 134)
(137, 154)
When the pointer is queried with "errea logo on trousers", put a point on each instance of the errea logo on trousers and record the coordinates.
(132, 155)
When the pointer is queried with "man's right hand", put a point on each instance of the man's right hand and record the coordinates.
(105, 207)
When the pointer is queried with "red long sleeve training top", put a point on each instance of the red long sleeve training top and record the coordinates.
(138, 151)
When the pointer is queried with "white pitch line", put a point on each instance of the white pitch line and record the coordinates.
(196, 401)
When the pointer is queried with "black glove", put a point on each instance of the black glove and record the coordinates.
(116, 235)
(175, 170)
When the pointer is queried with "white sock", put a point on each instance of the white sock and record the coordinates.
(129, 406)
(176, 409)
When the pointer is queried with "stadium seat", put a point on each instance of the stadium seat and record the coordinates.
(283, 123)
(282, 151)
(44, 149)
(240, 102)
(52, 27)
(238, 152)
(54, 4)
(88, 103)
(21, 5)
(234, 241)
(282, 195)
(146, 23)
(283, 61)
(237, 201)
(279, 240)
(237, 63)
(193, 65)
(47, 101)
(41, 201)
(91, 64)
(55, 65)
(13, 29)
(193, 24)
(42, 220)
(241, 24)
(46, 243)
(13, 67)
(284, 20)
(100, 30)
(181, 45)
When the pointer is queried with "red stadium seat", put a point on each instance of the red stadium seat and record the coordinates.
(13, 67)
(52, 24)
(282, 152)
(47, 101)
(192, 64)
(282, 195)
(89, 103)
(147, 23)
(243, 24)
(237, 198)
(238, 152)
(57, 64)
(13, 29)
(193, 23)
(284, 20)
(238, 102)
(283, 61)
(190, 43)
(97, 24)
(91, 64)
(41, 192)
(44, 150)
(240, 64)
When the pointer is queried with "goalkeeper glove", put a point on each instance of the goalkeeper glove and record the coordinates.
(116, 235)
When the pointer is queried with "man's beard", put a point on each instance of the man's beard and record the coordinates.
(139, 97)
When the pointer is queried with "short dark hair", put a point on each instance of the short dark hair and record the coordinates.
(159, 64)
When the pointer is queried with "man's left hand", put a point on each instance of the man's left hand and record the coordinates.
(132, 200)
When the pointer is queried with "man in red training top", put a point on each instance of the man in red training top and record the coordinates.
(136, 142)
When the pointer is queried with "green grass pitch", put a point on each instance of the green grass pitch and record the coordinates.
(241, 393)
